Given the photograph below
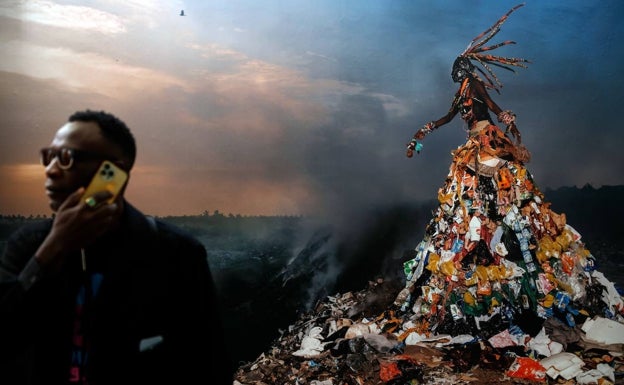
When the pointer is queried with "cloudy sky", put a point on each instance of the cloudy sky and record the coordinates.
(301, 107)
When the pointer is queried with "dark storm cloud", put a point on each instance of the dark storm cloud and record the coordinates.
(320, 98)
(566, 100)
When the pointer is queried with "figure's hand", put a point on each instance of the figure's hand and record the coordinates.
(413, 146)
(514, 132)
(76, 225)
(410, 149)
(508, 118)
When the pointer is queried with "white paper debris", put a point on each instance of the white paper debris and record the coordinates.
(566, 365)
(604, 331)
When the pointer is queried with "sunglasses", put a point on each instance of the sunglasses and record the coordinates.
(66, 156)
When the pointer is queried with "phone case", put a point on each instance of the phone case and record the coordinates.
(108, 177)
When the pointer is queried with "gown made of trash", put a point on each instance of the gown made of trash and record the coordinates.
(494, 250)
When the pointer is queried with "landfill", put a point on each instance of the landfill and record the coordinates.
(364, 338)
(501, 288)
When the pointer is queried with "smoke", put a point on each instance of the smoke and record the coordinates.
(343, 257)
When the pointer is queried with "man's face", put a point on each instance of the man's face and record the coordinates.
(80, 136)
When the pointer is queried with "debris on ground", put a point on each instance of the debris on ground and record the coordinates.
(340, 343)
(500, 290)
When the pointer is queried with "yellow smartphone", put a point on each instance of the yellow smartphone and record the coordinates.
(109, 177)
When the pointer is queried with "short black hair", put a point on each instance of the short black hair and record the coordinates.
(112, 128)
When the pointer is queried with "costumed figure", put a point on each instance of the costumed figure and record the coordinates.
(494, 252)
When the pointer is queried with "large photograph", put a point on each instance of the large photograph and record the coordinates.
(418, 167)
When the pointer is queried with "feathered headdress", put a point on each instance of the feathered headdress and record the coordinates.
(477, 46)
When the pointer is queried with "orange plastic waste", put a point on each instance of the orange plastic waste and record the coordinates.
(388, 370)
(434, 260)
(496, 273)
(482, 273)
(504, 178)
(484, 288)
(548, 301)
(448, 268)
(472, 280)
(567, 263)
(548, 248)
(527, 368)
(469, 299)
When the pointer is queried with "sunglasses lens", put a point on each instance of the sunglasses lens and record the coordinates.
(65, 157)
(46, 156)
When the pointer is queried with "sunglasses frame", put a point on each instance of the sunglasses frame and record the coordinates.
(48, 154)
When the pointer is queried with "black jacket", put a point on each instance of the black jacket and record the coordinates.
(156, 286)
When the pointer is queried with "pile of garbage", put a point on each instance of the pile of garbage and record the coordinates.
(364, 338)
(501, 289)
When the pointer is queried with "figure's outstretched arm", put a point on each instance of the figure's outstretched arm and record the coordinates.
(427, 128)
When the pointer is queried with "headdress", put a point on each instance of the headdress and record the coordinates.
(477, 46)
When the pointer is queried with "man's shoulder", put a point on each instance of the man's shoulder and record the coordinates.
(24, 241)
(155, 228)
(33, 229)
(170, 232)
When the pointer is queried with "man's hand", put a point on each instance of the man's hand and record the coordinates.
(76, 225)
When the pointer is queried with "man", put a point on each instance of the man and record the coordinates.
(102, 294)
